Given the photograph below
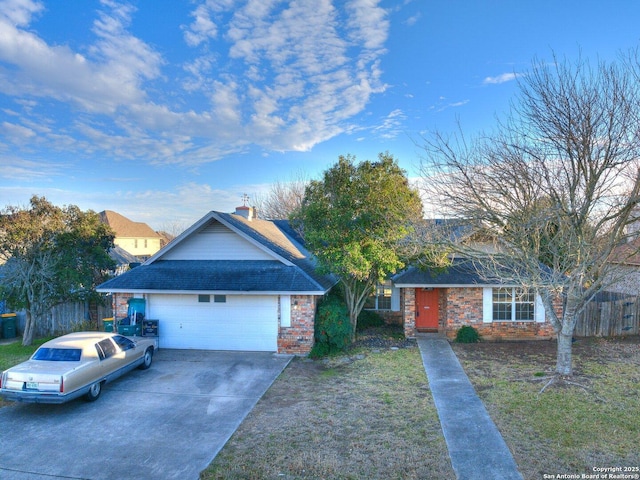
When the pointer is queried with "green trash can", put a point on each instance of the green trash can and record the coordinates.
(9, 325)
(108, 324)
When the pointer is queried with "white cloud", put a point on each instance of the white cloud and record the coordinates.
(20, 12)
(442, 105)
(391, 125)
(16, 133)
(280, 75)
(97, 85)
(202, 27)
(14, 168)
(411, 21)
(502, 78)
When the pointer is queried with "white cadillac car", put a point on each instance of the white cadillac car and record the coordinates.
(75, 365)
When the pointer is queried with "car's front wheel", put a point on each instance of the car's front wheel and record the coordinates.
(94, 392)
(148, 358)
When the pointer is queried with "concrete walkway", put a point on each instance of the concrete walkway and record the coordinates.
(476, 447)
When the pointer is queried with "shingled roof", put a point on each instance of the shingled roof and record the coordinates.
(461, 272)
(214, 276)
(125, 228)
(292, 269)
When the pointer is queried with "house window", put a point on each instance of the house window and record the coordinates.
(381, 297)
(204, 298)
(513, 304)
(220, 298)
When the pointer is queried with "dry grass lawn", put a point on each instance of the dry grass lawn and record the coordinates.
(369, 414)
(366, 415)
(594, 422)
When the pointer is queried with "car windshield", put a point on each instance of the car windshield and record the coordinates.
(58, 354)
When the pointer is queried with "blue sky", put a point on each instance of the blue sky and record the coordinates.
(164, 110)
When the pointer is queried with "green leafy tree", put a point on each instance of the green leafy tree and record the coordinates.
(50, 255)
(354, 221)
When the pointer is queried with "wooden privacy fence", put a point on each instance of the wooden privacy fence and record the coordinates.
(609, 315)
(70, 317)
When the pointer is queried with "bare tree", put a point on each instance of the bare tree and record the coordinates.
(554, 185)
(283, 198)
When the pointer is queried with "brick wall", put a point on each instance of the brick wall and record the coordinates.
(463, 306)
(120, 306)
(514, 331)
(390, 317)
(408, 308)
(298, 339)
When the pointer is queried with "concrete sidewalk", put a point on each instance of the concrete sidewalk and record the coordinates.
(476, 447)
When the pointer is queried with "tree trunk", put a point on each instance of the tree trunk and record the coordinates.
(27, 336)
(563, 362)
(353, 318)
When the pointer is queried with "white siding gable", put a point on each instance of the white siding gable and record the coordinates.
(215, 241)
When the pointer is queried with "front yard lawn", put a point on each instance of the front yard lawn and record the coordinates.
(368, 414)
(13, 353)
(594, 422)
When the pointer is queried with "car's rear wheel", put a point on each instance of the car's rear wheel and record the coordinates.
(94, 392)
(148, 358)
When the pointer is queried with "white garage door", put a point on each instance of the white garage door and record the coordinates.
(241, 322)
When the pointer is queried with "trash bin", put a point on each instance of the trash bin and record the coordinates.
(108, 324)
(9, 325)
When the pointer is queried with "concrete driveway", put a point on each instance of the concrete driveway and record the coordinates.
(168, 422)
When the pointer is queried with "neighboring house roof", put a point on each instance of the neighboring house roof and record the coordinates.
(121, 256)
(627, 254)
(125, 228)
(287, 267)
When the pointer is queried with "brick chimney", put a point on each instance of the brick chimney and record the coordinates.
(246, 212)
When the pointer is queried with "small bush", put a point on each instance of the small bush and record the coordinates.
(332, 327)
(368, 319)
(467, 334)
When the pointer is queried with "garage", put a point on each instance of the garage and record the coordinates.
(231, 281)
(216, 322)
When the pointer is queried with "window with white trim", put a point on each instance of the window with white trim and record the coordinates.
(512, 304)
(381, 297)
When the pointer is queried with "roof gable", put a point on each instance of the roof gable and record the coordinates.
(125, 228)
(215, 241)
(226, 252)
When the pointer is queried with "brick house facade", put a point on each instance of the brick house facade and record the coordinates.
(460, 297)
(464, 306)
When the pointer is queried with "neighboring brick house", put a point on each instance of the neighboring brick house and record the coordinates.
(136, 238)
(229, 282)
(444, 301)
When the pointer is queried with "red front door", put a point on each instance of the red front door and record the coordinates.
(427, 309)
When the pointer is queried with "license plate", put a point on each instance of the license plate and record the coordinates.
(32, 385)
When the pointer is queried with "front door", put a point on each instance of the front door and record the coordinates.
(427, 309)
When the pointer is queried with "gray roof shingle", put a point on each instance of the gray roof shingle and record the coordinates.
(296, 273)
(462, 272)
(213, 276)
